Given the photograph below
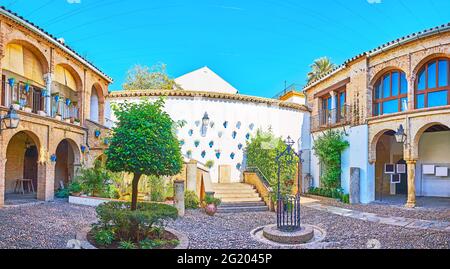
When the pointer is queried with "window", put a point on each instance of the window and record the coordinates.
(390, 93)
(432, 85)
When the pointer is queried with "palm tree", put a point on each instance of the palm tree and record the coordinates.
(319, 68)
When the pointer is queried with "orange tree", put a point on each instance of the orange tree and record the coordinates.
(143, 143)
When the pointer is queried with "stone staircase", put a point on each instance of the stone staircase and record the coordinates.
(238, 197)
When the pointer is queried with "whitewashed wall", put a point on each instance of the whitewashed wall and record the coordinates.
(283, 121)
(434, 148)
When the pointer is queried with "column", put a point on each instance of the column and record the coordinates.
(2, 181)
(48, 98)
(46, 181)
(411, 166)
(179, 196)
(333, 107)
(191, 176)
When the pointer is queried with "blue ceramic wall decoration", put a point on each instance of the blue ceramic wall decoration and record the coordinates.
(182, 142)
(44, 93)
(234, 134)
(220, 134)
(97, 133)
(197, 123)
(238, 125)
(203, 154)
(106, 141)
(211, 144)
(68, 102)
(252, 125)
(218, 154)
(240, 146)
(196, 143)
(247, 136)
(238, 166)
(56, 98)
(53, 158)
(191, 132)
(11, 82)
(211, 124)
(232, 155)
(27, 88)
(189, 153)
(83, 148)
(225, 124)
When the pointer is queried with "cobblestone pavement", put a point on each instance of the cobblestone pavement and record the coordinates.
(51, 225)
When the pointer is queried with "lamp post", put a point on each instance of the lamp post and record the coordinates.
(10, 120)
(400, 135)
(205, 123)
(288, 208)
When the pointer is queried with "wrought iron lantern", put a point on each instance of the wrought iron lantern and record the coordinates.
(10, 120)
(288, 206)
(400, 135)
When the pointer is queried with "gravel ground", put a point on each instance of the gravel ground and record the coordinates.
(232, 231)
(47, 225)
(51, 225)
(442, 214)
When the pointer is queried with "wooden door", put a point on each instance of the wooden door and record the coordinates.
(224, 173)
(30, 165)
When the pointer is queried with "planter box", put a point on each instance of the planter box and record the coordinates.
(89, 201)
(318, 197)
(58, 117)
(16, 106)
(28, 109)
(42, 113)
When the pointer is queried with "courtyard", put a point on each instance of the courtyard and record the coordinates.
(51, 225)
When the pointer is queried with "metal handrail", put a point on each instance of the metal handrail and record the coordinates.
(261, 175)
(331, 117)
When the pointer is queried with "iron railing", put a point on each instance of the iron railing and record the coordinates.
(290, 88)
(264, 180)
(329, 118)
(288, 213)
(66, 111)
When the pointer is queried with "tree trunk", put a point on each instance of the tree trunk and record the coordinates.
(134, 193)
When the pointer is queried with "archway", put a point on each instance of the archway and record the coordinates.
(434, 159)
(22, 156)
(66, 160)
(97, 104)
(389, 153)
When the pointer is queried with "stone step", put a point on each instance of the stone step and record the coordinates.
(240, 200)
(233, 187)
(242, 209)
(237, 195)
(227, 191)
(243, 204)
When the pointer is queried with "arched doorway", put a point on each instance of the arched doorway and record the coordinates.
(66, 160)
(22, 156)
(434, 158)
(389, 152)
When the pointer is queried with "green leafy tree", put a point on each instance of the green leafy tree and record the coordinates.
(319, 68)
(328, 148)
(146, 78)
(143, 143)
(262, 151)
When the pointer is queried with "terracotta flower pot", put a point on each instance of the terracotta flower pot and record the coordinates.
(211, 209)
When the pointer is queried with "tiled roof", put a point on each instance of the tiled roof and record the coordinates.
(16, 17)
(388, 45)
(183, 93)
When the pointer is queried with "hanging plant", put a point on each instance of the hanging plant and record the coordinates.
(238, 125)
(232, 155)
(197, 123)
(247, 136)
(225, 124)
(44, 93)
(196, 143)
(11, 82)
(27, 88)
(106, 141)
(211, 144)
(251, 126)
(189, 154)
(97, 133)
(234, 134)
(182, 142)
(211, 124)
(218, 154)
(191, 132)
(240, 146)
(56, 97)
(209, 164)
(238, 166)
(220, 134)
(68, 101)
(203, 154)
(83, 148)
(53, 158)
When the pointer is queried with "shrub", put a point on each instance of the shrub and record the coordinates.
(157, 188)
(75, 187)
(209, 164)
(93, 180)
(104, 237)
(335, 193)
(127, 245)
(191, 200)
(62, 193)
(137, 224)
(150, 244)
(209, 199)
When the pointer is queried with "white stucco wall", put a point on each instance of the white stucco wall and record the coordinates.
(94, 106)
(283, 122)
(356, 155)
(434, 148)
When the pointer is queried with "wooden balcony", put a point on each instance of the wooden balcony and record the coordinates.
(327, 119)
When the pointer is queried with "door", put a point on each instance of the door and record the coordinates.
(30, 165)
(224, 173)
(402, 187)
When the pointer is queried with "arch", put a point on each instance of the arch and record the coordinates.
(389, 91)
(426, 59)
(374, 143)
(22, 156)
(381, 73)
(66, 75)
(420, 131)
(32, 48)
(67, 159)
(97, 104)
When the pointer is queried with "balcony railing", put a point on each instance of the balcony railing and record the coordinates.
(27, 97)
(329, 118)
(67, 110)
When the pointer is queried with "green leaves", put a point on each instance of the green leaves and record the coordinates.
(146, 78)
(328, 148)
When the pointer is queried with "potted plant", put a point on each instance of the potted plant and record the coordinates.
(67, 120)
(97, 133)
(209, 164)
(75, 188)
(211, 204)
(76, 122)
(189, 154)
(27, 87)
(28, 109)
(16, 105)
(42, 113)
(58, 116)
(196, 143)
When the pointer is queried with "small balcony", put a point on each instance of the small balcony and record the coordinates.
(64, 109)
(327, 119)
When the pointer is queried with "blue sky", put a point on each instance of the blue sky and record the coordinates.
(254, 45)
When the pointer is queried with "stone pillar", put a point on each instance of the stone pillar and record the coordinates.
(411, 165)
(355, 179)
(46, 181)
(179, 196)
(333, 107)
(48, 99)
(191, 175)
(2, 181)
